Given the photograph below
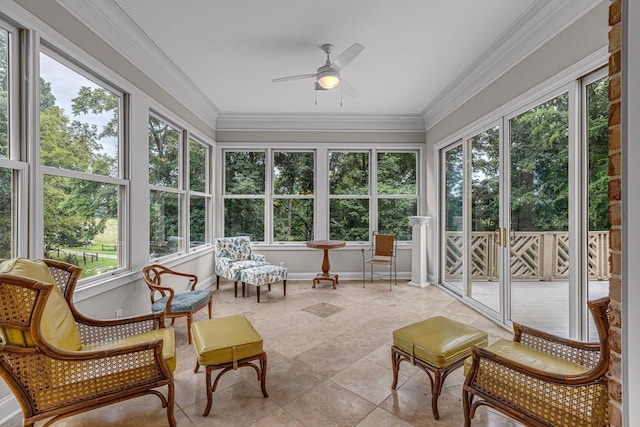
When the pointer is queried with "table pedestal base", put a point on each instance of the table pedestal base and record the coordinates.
(333, 278)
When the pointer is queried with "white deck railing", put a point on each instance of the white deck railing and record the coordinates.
(534, 255)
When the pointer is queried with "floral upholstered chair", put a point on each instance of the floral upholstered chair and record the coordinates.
(233, 254)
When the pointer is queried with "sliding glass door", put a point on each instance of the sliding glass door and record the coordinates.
(524, 231)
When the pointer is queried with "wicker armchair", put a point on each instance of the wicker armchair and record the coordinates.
(176, 304)
(59, 363)
(540, 379)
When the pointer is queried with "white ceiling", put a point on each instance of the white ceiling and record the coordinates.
(421, 57)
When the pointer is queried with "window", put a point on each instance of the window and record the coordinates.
(272, 195)
(80, 145)
(7, 174)
(166, 193)
(293, 196)
(397, 192)
(349, 196)
(199, 194)
(244, 194)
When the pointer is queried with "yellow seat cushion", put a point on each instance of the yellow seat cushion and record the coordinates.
(167, 336)
(58, 326)
(532, 358)
(438, 341)
(225, 340)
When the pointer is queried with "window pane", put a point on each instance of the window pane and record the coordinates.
(393, 217)
(81, 223)
(349, 219)
(244, 217)
(197, 166)
(78, 121)
(293, 173)
(293, 220)
(4, 93)
(164, 224)
(539, 154)
(244, 172)
(197, 221)
(164, 160)
(348, 173)
(598, 196)
(6, 214)
(396, 173)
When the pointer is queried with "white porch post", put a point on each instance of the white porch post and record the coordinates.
(419, 251)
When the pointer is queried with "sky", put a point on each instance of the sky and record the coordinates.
(65, 84)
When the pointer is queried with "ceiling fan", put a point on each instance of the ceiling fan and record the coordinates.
(328, 76)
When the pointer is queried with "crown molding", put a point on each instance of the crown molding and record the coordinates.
(110, 21)
(319, 122)
(541, 22)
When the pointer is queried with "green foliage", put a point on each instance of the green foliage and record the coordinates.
(598, 152)
(197, 166)
(540, 167)
(75, 210)
(453, 188)
(485, 180)
(349, 219)
(348, 173)
(244, 172)
(244, 217)
(164, 144)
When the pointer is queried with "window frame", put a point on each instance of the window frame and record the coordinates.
(321, 190)
(121, 181)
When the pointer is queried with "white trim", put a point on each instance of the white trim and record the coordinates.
(319, 122)
(630, 212)
(111, 22)
(521, 39)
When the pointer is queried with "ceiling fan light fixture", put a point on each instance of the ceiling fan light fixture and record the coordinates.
(328, 79)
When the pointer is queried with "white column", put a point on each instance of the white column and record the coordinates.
(419, 251)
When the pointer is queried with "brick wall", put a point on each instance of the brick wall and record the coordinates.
(615, 214)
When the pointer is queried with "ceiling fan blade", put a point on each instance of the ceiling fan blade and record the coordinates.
(346, 57)
(298, 77)
(348, 89)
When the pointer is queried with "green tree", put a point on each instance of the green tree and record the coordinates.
(76, 210)
(540, 167)
(244, 176)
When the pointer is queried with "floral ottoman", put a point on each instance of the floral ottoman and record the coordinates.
(263, 275)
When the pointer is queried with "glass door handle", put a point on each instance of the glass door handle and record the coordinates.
(498, 236)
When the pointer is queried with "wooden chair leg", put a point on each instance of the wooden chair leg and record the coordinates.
(210, 307)
(217, 282)
(284, 285)
(189, 327)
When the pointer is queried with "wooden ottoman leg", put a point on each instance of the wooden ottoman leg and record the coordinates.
(395, 364)
(209, 392)
(263, 375)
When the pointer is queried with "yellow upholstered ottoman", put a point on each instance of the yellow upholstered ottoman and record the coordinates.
(437, 345)
(227, 343)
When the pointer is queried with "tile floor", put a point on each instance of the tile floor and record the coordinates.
(329, 364)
